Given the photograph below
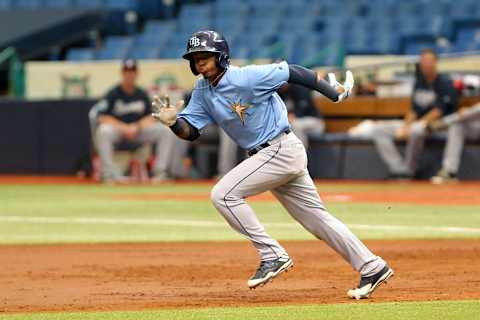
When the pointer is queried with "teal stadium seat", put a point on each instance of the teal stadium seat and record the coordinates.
(80, 54)
(123, 5)
(161, 29)
(302, 31)
(58, 4)
(27, 4)
(5, 5)
(115, 47)
(88, 4)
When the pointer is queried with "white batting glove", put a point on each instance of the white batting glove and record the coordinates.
(164, 112)
(346, 89)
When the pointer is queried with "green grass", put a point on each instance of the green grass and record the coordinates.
(452, 310)
(90, 213)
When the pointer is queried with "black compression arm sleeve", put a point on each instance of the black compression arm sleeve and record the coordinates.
(183, 129)
(308, 78)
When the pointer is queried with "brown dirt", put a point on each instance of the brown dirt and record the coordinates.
(171, 275)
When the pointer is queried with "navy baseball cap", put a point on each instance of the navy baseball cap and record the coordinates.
(129, 64)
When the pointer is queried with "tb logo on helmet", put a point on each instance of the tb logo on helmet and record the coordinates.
(194, 42)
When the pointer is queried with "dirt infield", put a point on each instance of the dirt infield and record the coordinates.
(172, 275)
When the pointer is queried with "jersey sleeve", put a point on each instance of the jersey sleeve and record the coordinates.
(105, 105)
(266, 79)
(413, 103)
(447, 98)
(148, 104)
(195, 112)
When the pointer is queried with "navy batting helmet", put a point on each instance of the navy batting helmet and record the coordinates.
(208, 41)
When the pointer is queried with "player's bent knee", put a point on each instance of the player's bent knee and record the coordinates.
(418, 134)
(220, 196)
(418, 130)
(161, 128)
(104, 130)
(217, 194)
(458, 128)
(379, 131)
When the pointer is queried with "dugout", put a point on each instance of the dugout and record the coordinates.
(51, 137)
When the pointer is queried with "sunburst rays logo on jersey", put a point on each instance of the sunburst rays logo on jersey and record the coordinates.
(239, 109)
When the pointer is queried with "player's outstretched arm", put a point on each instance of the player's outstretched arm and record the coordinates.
(332, 89)
(167, 114)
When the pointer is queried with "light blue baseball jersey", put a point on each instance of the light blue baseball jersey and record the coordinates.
(244, 104)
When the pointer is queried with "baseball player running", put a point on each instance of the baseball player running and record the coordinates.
(243, 102)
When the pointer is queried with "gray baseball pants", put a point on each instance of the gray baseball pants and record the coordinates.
(304, 126)
(461, 126)
(227, 152)
(282, 169)
(384, 138)
(169, 152)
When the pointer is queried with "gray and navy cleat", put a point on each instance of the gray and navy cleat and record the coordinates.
(443, 176)
(368, 284)
(269, 269)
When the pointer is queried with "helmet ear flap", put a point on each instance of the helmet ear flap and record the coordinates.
(223, 60)
(192, 67)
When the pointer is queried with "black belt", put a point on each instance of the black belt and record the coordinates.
(254, 150)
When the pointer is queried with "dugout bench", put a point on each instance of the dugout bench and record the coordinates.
(339, 156)
(53, 137)
(336, 155)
